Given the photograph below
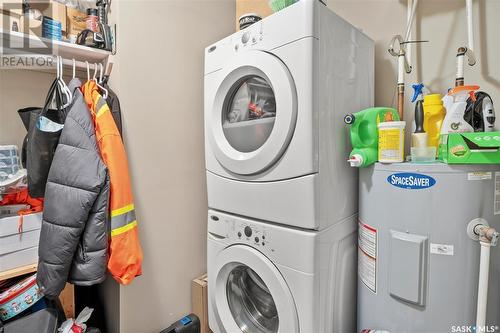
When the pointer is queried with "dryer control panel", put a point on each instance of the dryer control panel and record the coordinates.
(249, 37)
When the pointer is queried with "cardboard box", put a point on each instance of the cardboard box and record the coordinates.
(75, 21)
(199, 297)
(52, 9)
(470, 148)
(11, 7)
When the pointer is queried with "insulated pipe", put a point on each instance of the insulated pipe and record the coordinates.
(470, 25)
(410, 17)
(482, 292)
(479, 230)
(466, 51)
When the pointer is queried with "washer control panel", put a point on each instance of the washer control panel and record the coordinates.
(239, 231)
(250, 234)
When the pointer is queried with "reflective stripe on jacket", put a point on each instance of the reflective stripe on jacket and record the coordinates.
(125, 253)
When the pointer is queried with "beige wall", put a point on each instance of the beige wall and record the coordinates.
(443, 24)
(19, 89)
(161, 47)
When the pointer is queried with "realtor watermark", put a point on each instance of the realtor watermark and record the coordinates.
(475, 329)
(23, 61)
(21, 46)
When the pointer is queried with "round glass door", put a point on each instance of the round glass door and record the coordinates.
(250, 295)
(251, 302)
(253, 113)
(250, 112)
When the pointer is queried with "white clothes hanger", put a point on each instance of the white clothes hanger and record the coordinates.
(104, 90)
(88, 70)
(64, 87)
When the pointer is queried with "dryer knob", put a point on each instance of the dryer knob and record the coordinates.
(248, 231)
(245, 38)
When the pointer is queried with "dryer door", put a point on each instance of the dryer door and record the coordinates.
(251, 295)
(254, 113)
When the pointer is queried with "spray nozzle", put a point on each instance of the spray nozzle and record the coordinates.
(418, 91)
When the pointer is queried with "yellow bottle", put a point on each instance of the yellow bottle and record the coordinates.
(434, 113)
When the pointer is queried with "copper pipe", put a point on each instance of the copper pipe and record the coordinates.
(401, 100)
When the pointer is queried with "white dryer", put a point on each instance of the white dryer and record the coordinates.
(276, 94)
(264, 278)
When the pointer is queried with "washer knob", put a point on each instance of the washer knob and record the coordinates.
(248, 231)
(239, 234)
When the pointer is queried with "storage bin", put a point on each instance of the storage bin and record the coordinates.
(19, 297)
(19, 249)
(8, 151)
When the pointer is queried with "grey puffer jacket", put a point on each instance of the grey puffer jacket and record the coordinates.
(75, 228)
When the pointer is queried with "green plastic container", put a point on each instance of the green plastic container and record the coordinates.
(470, 148)
(277, 5)
(364, 134)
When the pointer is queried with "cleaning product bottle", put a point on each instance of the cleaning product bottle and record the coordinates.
(419, 137)
(454, 121)
(364, 134)
(434, 113)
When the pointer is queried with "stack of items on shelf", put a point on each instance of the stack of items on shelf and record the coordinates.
(83, 22)
(20, 217)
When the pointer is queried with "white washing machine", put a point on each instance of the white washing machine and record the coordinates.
(276, 94)
(265, 278)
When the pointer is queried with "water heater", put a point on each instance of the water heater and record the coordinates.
(419, 250)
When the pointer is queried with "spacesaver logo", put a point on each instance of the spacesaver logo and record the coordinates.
(411, 181)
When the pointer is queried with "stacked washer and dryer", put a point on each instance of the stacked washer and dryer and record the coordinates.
(282, 219)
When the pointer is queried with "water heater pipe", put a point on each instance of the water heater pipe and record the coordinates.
(466, 51)
(488, 237)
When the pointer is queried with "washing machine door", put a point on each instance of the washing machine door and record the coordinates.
(254, 113)
(251, 295)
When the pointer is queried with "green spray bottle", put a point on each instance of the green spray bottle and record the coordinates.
(364, 134)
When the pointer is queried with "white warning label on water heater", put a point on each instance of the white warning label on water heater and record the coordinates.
(497, 194)
(367, 256)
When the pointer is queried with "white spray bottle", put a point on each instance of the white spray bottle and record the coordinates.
(454, 121)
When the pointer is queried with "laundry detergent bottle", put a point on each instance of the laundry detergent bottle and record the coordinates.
(364, 134)
(454, 121)
(434, 113)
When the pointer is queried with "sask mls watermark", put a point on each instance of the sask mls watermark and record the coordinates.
(21, 45)
(475, 329)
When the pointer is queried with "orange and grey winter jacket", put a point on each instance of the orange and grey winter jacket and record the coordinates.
(125, 253)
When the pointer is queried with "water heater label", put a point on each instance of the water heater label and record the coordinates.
(367, 256)
(479, 175)
(444, 249)
(411, 181)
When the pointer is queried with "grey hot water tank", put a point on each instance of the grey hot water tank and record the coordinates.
(418, 268)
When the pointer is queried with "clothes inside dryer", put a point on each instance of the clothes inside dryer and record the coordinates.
(250, 302)
(250, 114)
